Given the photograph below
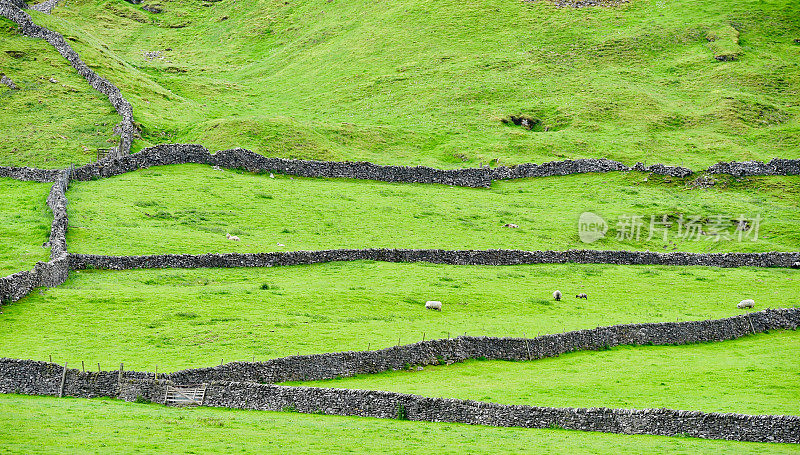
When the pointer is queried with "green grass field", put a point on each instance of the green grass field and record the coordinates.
(24, 225)
(684, 82)
(54, 124)
(190, 318)
(68, 425)
(753, 375)
(418, 83)
(190, 208)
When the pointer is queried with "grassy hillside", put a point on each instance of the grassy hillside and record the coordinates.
(754, 375)
(54, 425)
(189, 318)
(24, 225)
(190, 208)
(420, 82)
(48, 124)
(683, 82)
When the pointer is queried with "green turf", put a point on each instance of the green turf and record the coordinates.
(191, 318)
(415, 82)
(74, 425)
(753, 375)
(410, 82)
(48, 124)
(24, 225)
(190, 208)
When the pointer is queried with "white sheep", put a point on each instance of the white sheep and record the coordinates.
(582, 295)
(232, 237)
(433, 305)
(747, 303)
(557, 295)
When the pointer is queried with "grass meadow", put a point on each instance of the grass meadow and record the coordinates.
(24, 225)
(69, 425)
(180, 319)
(190, 208)
(757, 374)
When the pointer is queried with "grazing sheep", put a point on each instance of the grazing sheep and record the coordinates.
(747, 303)
(582, 296)
(511, 225)
(557, 295)
(433, 305)
(232, 237)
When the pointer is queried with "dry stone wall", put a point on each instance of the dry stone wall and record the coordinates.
(28, 174)
(235, 385)
(12, 10)
(57, 201)
(431, 352)
(391, 405)
(750, 168)
(581, 166)
(17, 373)
(54, 272)
(244, 159)
(167, 154)
(472, 177)
(454, 257)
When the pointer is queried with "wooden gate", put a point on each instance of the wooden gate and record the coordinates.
(185, 395)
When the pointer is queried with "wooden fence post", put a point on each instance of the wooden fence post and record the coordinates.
(63, 381)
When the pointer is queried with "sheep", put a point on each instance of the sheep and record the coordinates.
(232, 237)
(582, 295)
(433, 305)
(557, 295)
(747, 303)
(511, 225)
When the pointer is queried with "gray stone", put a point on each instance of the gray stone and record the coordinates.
(5, 80)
